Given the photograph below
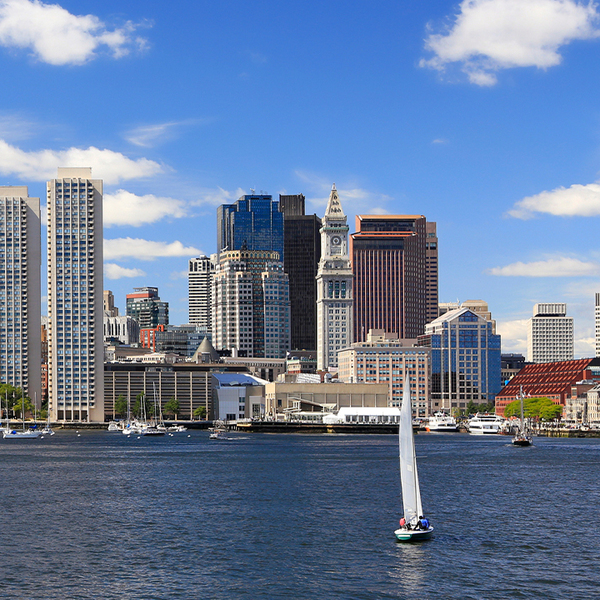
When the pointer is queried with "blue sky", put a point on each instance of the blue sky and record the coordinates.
(483, 115)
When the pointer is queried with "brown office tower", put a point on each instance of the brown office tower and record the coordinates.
(431, 271)
(394, 289)
(301, 255)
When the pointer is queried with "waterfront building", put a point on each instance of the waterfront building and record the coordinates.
(20, 294)
(592, 407)
(575, 410)
(302, 252)
(301, 401)
(75, 340)
(145, 306)
(383, 358)
(109, 307)
(395, 274)
(124, 329)
(201, 271)
(190, 384)
(253, 222)
(237, 396)
(251, 305)
(550, 336)
(465, 360)
(335, 285)
(553, 380)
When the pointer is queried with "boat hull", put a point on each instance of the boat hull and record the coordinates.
(21, 435)
(413, 535)
(521, 442)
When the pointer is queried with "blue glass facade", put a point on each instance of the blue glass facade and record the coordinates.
(254, 222)
(465, 360)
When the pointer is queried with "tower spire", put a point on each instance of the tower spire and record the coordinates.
(334, 206)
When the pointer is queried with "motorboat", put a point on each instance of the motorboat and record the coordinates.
(441, 422)
(485, 424)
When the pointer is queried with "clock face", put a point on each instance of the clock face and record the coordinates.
(336, 240)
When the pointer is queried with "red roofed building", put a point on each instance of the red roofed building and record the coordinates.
(549, 380)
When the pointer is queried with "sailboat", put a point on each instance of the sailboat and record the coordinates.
(13, 434)
(413, 527)
(523, 435)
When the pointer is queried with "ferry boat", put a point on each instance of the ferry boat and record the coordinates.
(441, 422)
(484, 424)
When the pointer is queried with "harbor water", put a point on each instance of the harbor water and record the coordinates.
(101, 515)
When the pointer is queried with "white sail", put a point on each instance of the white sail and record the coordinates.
(411, 494)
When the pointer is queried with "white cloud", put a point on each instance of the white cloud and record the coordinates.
(125, 208)
(585, 347)
(113, 271)
(574, 201)
(218, 196)
(139, 249)
(57, 37)
(41, 165)
(552, 267)
(152, 135)
(354, 199)
(514, 335)
(488, 35)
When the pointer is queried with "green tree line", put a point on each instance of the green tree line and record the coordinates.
(542, 409)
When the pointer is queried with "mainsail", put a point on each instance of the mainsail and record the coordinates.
(411, 495)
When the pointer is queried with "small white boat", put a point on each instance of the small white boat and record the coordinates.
(441, 422)
(484, 424)
(115, 426)
(413, 527)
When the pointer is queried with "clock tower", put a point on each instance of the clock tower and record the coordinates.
(334, 287)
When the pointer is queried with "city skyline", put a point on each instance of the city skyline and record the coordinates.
(406, 108)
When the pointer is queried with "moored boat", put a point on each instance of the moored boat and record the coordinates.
(441, 422)
(485, 424)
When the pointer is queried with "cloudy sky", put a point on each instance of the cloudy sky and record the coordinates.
(483, 115)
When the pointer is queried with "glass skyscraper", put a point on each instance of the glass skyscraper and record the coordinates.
(252, 223)
(465, 360)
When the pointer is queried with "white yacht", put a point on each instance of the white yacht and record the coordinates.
(484, 424)
(441, 422)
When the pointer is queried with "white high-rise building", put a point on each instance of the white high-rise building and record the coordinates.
(550, 336)
(335, 321)
(75, 296)
(201, 271)
(251, 304)
(20, 296)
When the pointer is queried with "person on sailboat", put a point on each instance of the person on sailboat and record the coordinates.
(423, 523)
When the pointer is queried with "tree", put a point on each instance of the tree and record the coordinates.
(17, 405)
(172, 407)
(534, 408)
(143, 407)
(121, 406)
(200, 412)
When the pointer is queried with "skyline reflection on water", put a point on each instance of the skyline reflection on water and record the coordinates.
(295, 516)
